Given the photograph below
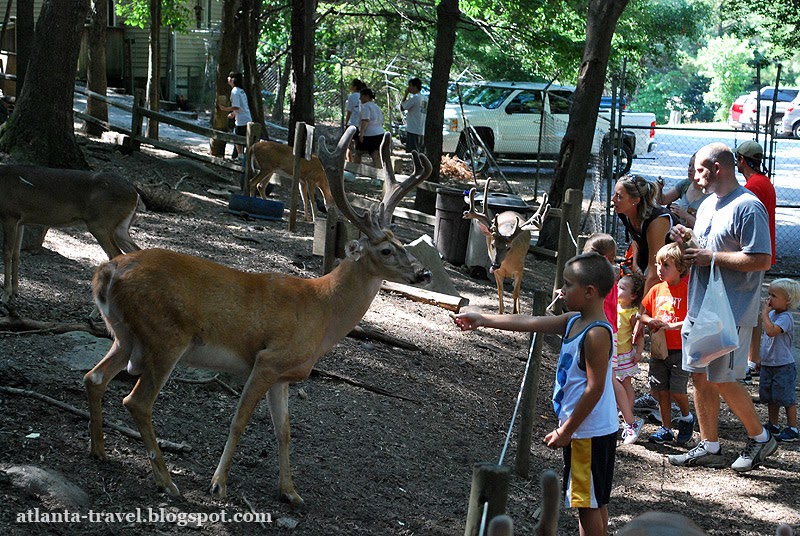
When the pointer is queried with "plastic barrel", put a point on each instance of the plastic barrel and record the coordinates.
(451, 230)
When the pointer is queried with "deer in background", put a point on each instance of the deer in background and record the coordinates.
(508, 239)
(273, 157)
(104, 202)
(165, 307)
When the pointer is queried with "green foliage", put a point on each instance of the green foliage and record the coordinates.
(726, 61)
(175, 14)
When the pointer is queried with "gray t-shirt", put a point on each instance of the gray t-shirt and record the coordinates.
(736, 222)
(777, 350)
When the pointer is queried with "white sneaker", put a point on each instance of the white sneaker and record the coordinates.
(631, 432)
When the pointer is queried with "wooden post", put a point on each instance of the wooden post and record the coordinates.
(489, 485)
(299, 149)
(570, 219)
(529, 390)
(136, 116)
(253, 134)
(331, 239)
(501, 526)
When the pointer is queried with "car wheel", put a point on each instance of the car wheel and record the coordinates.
(796, 130)
(473, 154)
(625, 158)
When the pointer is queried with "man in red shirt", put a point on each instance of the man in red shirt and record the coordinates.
(749, 156)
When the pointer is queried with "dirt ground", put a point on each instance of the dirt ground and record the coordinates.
(365, 463)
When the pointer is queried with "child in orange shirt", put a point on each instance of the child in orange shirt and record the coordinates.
(664, 308)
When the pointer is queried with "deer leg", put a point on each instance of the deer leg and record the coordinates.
(278, 400)
(515, 295)
(122, 237)
(254, 186)
(498, 277)
(96, 381)
(140, 405)
(105, 237)
(258, 383)
(11, 230)
(308, 199)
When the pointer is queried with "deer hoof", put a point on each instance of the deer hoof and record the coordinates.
(293, 498)
(171, 489)
(218, 490)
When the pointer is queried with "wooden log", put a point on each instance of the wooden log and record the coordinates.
(445, 301)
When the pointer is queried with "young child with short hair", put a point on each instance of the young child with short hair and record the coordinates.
(664, 308)
(583, 398)
(605, 245)
(778, 368)
(630, 290)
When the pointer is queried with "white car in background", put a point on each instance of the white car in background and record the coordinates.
(737, 108)
(790, 125)
(751, 113)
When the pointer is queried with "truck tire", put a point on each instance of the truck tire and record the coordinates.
(626, 157)
(476, 151)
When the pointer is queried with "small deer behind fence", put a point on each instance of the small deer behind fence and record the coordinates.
(508, 239)
(273, 157)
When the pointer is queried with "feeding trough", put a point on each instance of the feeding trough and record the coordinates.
(255, 207)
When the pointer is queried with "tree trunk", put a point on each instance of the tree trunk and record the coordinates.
(280, 93)
(25, 38)
(576, 147)
(41, 130)
(226, 62)
(447, 15)
(154, 67)
(251, 23)
(96, 72)
(302, 107)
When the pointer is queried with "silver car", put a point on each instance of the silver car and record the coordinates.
(791, 119)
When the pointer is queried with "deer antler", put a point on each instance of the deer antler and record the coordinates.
(536, 221)
(473, 213)
(394, 191)
(333, 163)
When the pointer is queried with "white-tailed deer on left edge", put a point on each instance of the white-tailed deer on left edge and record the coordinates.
(508, 239)
(104, 202)
(165, 307)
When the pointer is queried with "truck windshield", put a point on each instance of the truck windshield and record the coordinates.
(488, 97)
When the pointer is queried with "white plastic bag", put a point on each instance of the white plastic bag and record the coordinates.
(714, 332)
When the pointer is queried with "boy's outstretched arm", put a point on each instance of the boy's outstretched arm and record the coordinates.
(596, 354)
(541, 324)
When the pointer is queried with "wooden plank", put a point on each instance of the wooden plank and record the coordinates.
(445, 301)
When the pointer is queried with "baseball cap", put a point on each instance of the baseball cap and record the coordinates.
(750, 149)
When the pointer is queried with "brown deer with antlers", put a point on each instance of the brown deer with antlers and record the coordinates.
(165, 307)
(104, 202)
(508, 239)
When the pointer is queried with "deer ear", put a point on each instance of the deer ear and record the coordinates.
(485, 230)
(354, 250)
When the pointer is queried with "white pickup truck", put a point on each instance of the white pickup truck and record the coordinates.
(526, 120)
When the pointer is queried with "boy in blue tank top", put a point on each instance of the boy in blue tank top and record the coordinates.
(583, 396)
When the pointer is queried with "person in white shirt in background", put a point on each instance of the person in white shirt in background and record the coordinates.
(416, 107)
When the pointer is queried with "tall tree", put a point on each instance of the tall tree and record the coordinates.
(25, 37)
(448, 15)
(154, 67)
(251, 22)
(576, 146)
(302, 108)
(96, 78)
(41, 129)
(227, 61)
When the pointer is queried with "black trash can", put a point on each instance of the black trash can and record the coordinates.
(451, 230)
